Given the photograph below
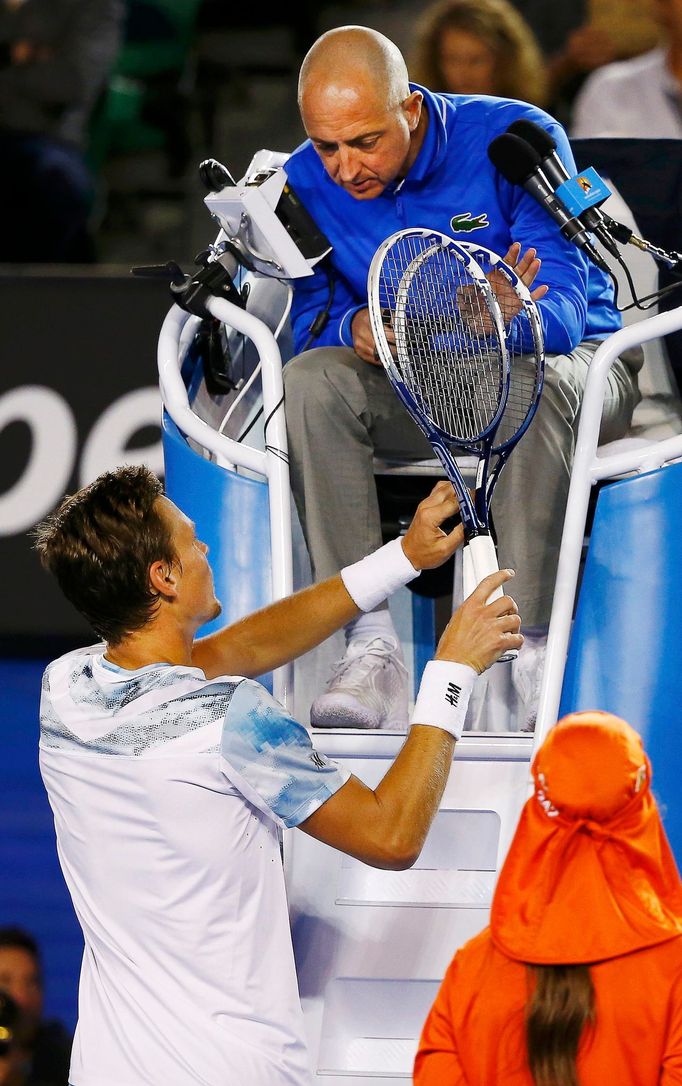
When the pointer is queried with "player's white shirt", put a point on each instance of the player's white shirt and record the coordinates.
(167, 791)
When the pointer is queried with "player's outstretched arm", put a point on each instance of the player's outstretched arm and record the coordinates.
(285, 630)
(387, 826)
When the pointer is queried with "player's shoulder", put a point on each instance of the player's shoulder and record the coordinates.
(87, 667)
(253, 711)
(256, 723)
(270, 757)
(90, 705)
(75, 660)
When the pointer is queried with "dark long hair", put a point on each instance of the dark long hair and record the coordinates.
(559, 1009)
(520, 68)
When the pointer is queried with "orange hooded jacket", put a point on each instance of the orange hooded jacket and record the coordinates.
(589, 878)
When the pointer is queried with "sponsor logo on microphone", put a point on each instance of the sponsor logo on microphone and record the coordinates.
(585, 191)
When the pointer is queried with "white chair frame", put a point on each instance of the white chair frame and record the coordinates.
(175, 336)
(588, 468)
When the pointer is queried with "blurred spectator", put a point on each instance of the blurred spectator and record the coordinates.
(579, 976)
(11, 1060)
(641, 97)
(55, 56)
(300, 18)
(148, 100)
(579, 37)
(45, 1045)
(478, 47)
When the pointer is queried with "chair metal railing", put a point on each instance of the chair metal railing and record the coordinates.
(272, 463)
(589, 468)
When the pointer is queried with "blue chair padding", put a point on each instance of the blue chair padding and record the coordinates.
(625, 653)
(231, 515)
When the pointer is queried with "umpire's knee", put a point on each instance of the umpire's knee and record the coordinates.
(309, 377)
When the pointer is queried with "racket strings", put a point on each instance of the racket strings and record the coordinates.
(524, 379)
(446, 343)
(524, 345)
(463, 387)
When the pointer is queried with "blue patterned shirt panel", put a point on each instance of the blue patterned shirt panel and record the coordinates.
(91, 706)
(270, 758)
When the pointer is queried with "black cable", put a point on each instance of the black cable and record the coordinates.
(272, 448)
(267, 420)
(278, 453)
(253, 422)
(322, 318)
(652, 298)
(616, 288)
(318, 326)
(637, 302)
(269, 448)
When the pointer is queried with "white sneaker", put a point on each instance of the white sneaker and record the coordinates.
(368, 689)
(527, 670)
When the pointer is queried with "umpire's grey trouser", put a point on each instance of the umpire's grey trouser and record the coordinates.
(340, 411)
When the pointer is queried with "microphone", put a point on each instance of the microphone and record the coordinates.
(607, 229)
(556, 173)
(520, 164)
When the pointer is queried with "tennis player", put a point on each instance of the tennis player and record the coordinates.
(171, 773)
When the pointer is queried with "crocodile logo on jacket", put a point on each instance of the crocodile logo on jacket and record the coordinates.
(466, 222)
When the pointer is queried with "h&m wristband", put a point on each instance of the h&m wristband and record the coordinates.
(444, 696)
(374, 578)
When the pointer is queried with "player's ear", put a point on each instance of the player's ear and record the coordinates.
(164, 579)
(412, 108)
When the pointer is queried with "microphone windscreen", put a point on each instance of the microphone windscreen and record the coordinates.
(534, 134)
(513, 157)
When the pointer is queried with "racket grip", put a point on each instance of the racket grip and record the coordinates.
(479, 558)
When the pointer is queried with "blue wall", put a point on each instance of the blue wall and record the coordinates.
(625, 654)
(32, 891)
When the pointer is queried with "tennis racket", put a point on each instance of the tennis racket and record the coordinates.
(460, 339)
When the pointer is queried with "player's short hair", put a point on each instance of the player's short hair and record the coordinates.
(99, 544)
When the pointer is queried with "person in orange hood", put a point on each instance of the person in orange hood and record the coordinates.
(578, 979)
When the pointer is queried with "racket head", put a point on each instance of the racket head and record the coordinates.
(439, 333)
(525, 346)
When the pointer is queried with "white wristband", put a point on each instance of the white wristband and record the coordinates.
(371, 580)
(444, 696)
